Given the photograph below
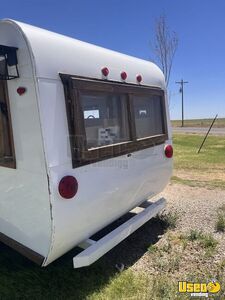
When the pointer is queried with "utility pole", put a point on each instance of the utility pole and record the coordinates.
(182, 82)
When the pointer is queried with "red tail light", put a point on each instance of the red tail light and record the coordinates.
(168, 151)
(68, 187)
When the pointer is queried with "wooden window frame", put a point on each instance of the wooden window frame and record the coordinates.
(8, 162)
(81, 155)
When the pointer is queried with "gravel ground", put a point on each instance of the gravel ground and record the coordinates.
(197, 209)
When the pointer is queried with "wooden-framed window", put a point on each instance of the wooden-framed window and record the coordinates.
(108, 119)
(7, 154)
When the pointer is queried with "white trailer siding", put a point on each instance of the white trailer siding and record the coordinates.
(107, 189)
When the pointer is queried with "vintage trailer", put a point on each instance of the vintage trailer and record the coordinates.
(84, 138)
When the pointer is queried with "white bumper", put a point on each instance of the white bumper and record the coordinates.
(96, 249)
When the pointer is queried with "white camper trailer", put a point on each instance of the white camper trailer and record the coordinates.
(84, 138)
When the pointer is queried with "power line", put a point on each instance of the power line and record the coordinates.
(182, 82)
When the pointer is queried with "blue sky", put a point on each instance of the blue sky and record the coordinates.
(128, 27)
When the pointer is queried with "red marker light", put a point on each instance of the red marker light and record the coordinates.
(139, 78)
(21, 90)
(123, 75)
(168, 151)
(105, 71)
(68, 187)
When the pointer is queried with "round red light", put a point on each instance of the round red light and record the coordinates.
(123, 75)
(68, 187)
(105, 71)
(21, 90)
(169, 151)
(139, 78)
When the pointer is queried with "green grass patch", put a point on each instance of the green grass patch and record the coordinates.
(138, 286)
(126, 285)
(163, 288)
(220, 222)
(169, 220)
(152, 249)
(220, 122)
(206, 241)
(194, 235)
(186, 157)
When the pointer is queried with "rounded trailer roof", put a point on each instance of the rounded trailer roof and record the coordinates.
(55, 53)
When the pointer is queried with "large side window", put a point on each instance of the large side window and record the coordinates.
(108, 119)
(7, 157)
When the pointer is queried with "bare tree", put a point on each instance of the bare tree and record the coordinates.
(165, 46)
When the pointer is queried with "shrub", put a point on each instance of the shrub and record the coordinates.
(220, 222)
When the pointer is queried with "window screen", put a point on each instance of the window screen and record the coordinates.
(6, 147)
(148, 116)
(105, 119)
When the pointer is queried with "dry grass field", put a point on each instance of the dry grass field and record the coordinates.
(220, 122)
